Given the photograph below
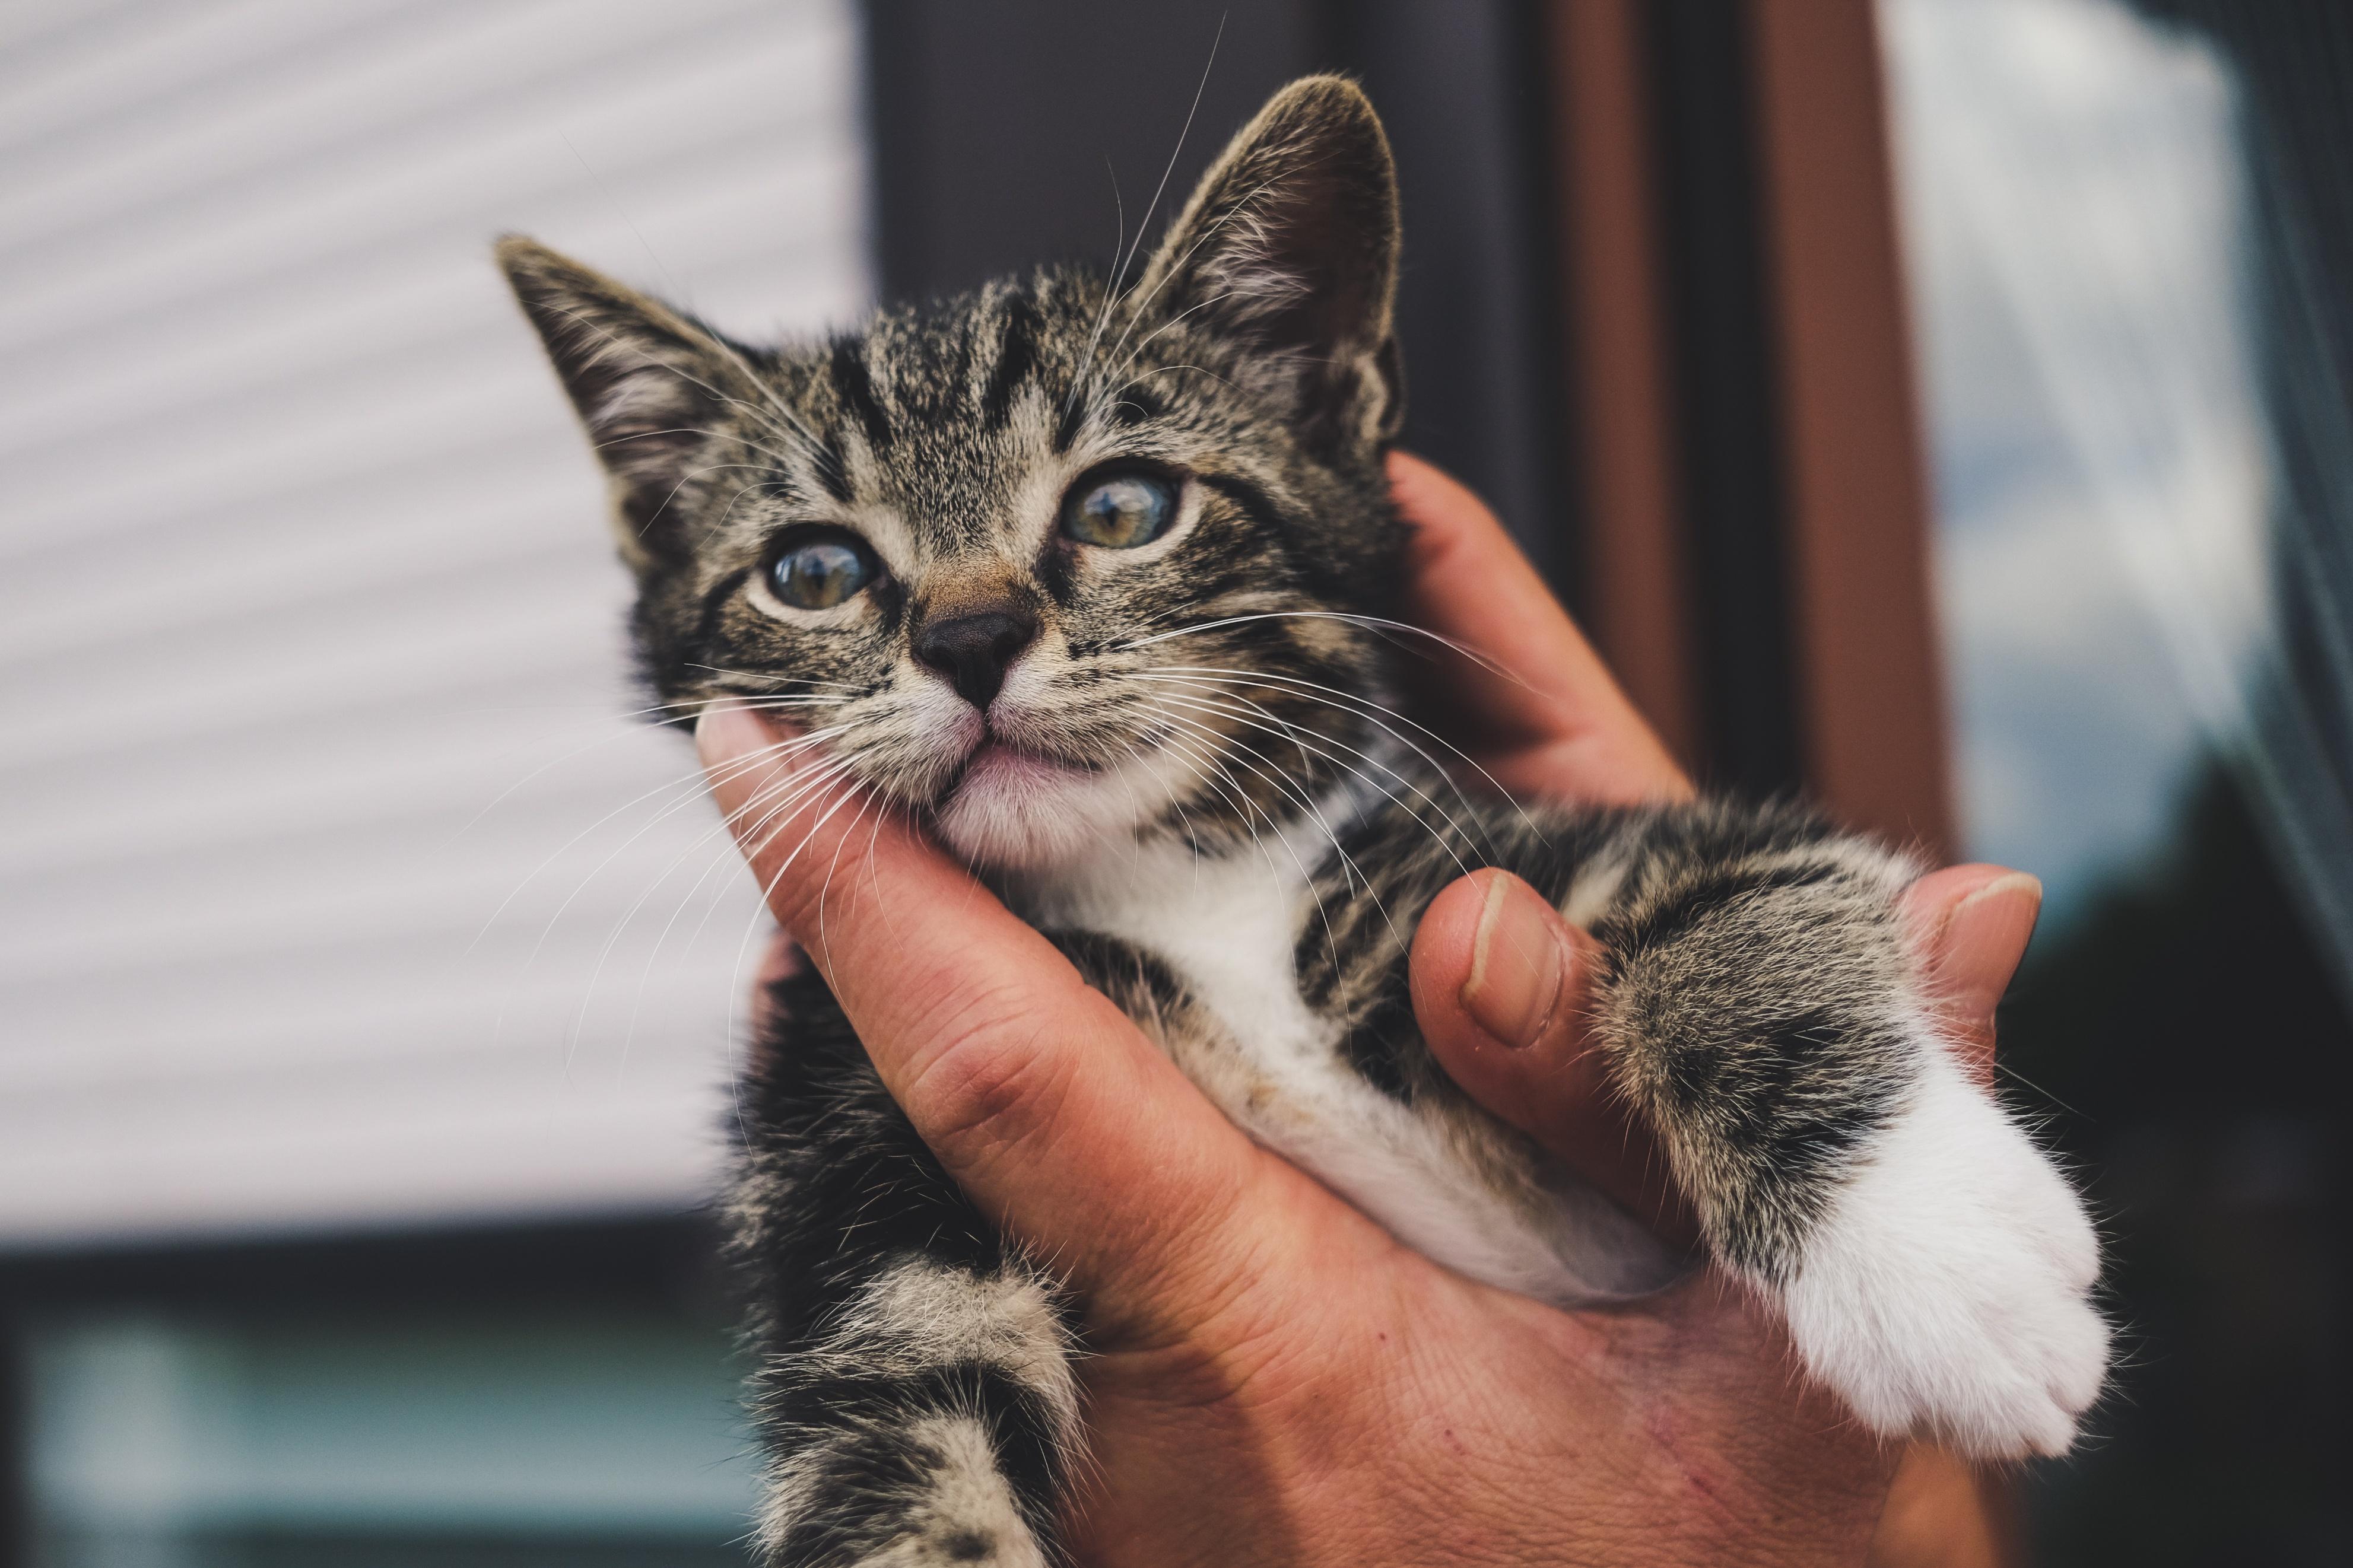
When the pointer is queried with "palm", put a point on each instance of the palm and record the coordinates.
(1328, 1396)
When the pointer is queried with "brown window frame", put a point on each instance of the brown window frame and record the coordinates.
(1784, 635)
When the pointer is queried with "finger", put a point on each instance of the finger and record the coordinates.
(1556, 722)
(1499, 989)
(1035, 1092)
(1500, 992)
(1972, 924)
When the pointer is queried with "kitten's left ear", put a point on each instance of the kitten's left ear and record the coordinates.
(1291, 241)
(650, 383)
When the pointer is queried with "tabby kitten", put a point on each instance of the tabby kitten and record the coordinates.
(1089, 579)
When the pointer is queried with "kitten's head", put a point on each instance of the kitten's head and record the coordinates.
(1048, 563)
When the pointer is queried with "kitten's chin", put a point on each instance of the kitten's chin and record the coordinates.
(1016, 811)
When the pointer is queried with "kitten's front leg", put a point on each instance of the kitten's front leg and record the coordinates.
(1934, 1267)
(914, 1389)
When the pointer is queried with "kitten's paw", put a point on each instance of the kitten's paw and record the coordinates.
(1947, 1294)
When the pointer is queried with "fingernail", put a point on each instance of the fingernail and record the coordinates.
(1519, 964)
(1998, 918)
(726, 731)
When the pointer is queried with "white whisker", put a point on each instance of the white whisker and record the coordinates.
(1306, 876)
(1219, 678)
(689, 783)
(1442, 839)
(1378, 714)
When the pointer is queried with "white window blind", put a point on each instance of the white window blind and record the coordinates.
(311, 912)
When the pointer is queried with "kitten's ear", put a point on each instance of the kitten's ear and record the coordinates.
(1292, 241)
(650, 383)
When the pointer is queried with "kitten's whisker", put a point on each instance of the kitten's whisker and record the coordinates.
(1285, 786)
(707, 433)
(798, 427)
(835, 774)
(579, 319)
(714, 469)
(1350, 868)
(685, 783)
(768, 813)
(1135, 314)
(1306, 876)
(718, 341)
(796, 679)
(774, 809)
(663, 815)
(825, 889)
(645, 975)
(1375, 623)
(727, 513)
(1168, 739)
(1189, 758)
(779, 796)
(1288, 730)
(1175, 154)
(1220, 779)
(1162, 330)
(768, 889)
(620, 733)
(1113, 291)
(1102, 310)
(1321, 697)
(1164, 370)
(1379, 713)
(1442, 839)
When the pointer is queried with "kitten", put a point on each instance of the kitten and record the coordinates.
(1090, 580)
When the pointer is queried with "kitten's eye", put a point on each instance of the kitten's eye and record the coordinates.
(1120, 512)
(822, 569)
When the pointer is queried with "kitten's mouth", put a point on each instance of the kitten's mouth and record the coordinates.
(1014, 806)
(995, 763)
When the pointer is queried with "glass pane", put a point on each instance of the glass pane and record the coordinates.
(595, 1440)
(2140, 587)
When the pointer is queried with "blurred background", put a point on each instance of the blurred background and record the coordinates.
(1940, 405)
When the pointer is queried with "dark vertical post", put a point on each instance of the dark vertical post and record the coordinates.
(1728, 452)
(1462, 91)
(1757, 526)
(1634, 578)
(1863, 619)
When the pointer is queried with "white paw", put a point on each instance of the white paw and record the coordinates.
(1946, 1295)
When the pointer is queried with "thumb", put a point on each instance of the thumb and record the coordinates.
(1044, 1103)
(1973, 923)
(1500, 990)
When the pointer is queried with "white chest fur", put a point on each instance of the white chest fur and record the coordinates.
(1456, 1189)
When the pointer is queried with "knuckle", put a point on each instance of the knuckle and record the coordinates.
(991, 1078)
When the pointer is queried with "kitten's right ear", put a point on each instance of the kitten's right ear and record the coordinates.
(1291, 243)
(650, 383)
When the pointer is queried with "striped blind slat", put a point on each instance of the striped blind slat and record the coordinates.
(324, 900)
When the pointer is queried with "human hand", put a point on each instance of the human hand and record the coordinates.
(1559, 726)
(1513, 1040)
(1273, 1378)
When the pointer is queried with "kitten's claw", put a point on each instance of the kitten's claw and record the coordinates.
(1947, 1294)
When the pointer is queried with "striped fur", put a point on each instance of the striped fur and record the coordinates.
(915, 1383)
(1187, 774)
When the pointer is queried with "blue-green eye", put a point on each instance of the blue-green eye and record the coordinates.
(1119, 511)
(822, 569)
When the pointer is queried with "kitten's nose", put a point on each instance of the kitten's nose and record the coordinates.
(973, 651)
